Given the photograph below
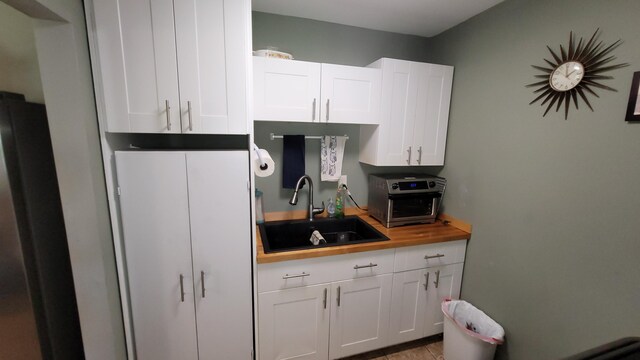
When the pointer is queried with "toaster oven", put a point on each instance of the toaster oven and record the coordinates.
(396, 200)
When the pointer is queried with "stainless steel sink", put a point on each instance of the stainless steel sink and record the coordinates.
(278, 236)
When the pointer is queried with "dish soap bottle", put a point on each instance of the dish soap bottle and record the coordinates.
(339, 203)
(331, 208)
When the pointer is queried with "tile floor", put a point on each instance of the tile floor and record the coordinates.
(424, 349)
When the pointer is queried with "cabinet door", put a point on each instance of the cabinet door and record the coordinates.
(221, 241)
(286, 90)
(294, 323)
(408, 306)
(400, 86)
(350, 94)
(137, 62)
(445, 282)
(360, 315)
(155, 221)
(432, 114)
(210, 37)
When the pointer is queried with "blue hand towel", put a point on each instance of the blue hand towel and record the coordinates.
(292, 160)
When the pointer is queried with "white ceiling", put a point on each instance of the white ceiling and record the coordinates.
(416, 17)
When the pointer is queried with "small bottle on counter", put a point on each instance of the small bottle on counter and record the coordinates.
(331, 208)
(340, 203)
(259, 207)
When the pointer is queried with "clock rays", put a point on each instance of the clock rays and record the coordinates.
(560, 86)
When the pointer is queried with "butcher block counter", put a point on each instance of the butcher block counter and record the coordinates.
(446, 228)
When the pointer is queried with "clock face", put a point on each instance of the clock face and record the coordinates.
(566, 76)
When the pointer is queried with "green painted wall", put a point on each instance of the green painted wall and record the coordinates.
(319, 41)
(554, 204)
(19, 70)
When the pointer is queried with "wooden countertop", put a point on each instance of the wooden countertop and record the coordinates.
(446, 228)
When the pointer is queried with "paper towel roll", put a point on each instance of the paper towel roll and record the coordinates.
(259, 169)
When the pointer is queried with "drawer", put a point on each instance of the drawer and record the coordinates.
(296, 273)
(424, 256)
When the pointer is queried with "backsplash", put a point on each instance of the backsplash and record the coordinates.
(276, 198)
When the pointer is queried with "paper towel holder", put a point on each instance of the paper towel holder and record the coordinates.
(263, 164)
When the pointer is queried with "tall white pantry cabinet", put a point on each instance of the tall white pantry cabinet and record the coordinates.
(187, 244)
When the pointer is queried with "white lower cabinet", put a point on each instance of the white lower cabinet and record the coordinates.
(294, 323)
(360, 315)
(417, 295)
(333, 307)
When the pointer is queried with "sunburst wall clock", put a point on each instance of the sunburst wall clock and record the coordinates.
(574, 72)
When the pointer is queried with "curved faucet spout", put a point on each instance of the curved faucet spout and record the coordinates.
(294, 198)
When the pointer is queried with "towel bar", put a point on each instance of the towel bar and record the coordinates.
(312, 137)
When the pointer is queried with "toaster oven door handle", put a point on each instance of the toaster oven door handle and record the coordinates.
(414, 195)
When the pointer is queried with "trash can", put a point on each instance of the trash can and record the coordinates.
(469, 334)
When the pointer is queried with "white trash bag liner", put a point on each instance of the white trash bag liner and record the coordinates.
(473, 321)
(469, 334)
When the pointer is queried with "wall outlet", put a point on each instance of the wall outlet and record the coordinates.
(343, 180)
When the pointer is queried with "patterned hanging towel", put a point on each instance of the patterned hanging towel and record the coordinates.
(331, 153)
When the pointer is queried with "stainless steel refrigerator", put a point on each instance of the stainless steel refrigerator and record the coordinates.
(38, 311)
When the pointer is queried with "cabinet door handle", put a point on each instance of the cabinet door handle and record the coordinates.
(365, 266)
(409, 157)
(420, 155)
(181, 288)
(433, 256)
(338, 296)
(328, 109)
(190, 119)
(287, 276)
(167, 110)
(437, 282)
(426, 281)
(202, 283)
(313, 114)
(324, 301)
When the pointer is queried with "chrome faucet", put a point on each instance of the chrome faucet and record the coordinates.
(294, 199)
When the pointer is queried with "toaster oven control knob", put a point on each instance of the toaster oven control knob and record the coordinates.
(432, 184)
(394, 186)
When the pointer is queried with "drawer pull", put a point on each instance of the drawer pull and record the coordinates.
(433, 256)
(287, 276)
(365, 266)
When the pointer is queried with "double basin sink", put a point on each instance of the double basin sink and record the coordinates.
(279, 236)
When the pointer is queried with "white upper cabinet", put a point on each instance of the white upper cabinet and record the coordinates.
(289, 90)
(170, 67)
(286, 90)
(414, 114)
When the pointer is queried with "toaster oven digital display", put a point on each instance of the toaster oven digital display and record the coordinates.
(413, 185)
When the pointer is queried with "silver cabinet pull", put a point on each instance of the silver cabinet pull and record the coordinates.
(433, 256)
(287, 276)
(338, 296)
(181, 288)
(426, 281)
(328, 109)
(365, 266)
(167, 109)
(409, 157)
(202, 283)
(437, 282)
(313, 115)
(420, 155)
(190, 119)
(324, 301)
